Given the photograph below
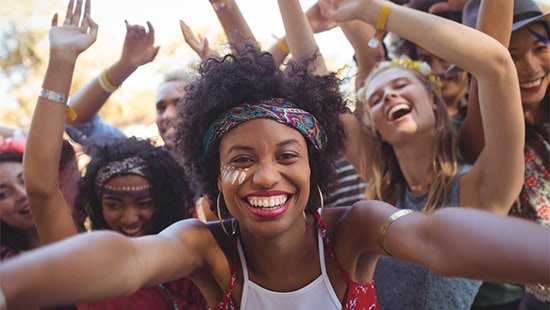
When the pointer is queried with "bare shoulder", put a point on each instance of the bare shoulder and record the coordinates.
(200, 237)
(208, 249)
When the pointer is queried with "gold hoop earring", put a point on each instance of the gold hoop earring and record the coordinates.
(305, 218)
(233, 225)
(322, 204)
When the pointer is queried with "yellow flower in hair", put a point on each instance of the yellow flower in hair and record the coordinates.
(407, 62)
(416, 65)
(436, 81)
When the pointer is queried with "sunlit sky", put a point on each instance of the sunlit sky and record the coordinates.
(262, 16)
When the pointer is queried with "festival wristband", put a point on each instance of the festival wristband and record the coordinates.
(282, 47)
(380, 26)
(384, 228)
(60, 98)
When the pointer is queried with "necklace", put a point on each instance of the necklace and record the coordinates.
(167, 292)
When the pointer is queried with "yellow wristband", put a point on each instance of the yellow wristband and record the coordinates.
(71, 113)
(282, 46)
(106, 84)
(384, 228)
(380, 25)
(383, 17)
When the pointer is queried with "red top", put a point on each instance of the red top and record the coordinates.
(179, 295)
(359, 296)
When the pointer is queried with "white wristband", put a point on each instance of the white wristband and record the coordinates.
(3, 305)
(104, 87)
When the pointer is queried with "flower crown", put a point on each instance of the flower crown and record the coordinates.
(419, 66)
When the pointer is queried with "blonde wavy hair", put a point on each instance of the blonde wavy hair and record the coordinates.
(384, 180)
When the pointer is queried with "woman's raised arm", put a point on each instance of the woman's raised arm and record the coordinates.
(487, 186)
(494, 19)
(51, 214)
(138, 49)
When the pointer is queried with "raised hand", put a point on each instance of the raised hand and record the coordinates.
(76, 34)
(138, 48)
(317, 20)
(197, 43)
(345, 10)
(448, 6)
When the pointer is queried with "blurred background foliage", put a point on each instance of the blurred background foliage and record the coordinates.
(24, 26)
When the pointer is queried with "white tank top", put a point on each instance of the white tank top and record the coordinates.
(318, 294)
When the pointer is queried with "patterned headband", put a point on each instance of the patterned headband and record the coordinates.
(130, 165)
(278, 109)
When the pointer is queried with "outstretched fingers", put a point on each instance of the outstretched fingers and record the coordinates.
(151, 33)
(87, 15)
(69, 14)
(54, 20)
(205, 47)
(76, 14)
(186, 31)
(93, 27)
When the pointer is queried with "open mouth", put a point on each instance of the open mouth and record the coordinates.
(399, 111)
(131, 232)
(24, 211)
(532, 85)
(267, 203)
(268, 206)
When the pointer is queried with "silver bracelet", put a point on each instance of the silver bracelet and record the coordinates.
(53, 96)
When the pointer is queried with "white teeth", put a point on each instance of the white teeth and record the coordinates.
(131, 231)
(530, 84)
(398, 107)
(272, 202)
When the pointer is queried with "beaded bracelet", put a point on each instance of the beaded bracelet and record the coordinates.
(380, 25)
(60, 98)
(384, 228)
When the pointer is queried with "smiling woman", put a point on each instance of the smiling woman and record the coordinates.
(264, 140)
(125, 184)
(18, 231)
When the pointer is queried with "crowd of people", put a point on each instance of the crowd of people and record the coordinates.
(273, 190)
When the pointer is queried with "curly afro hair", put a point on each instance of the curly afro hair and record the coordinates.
(171, 191)
(250, 75)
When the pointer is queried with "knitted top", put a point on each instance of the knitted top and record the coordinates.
(403, 285)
